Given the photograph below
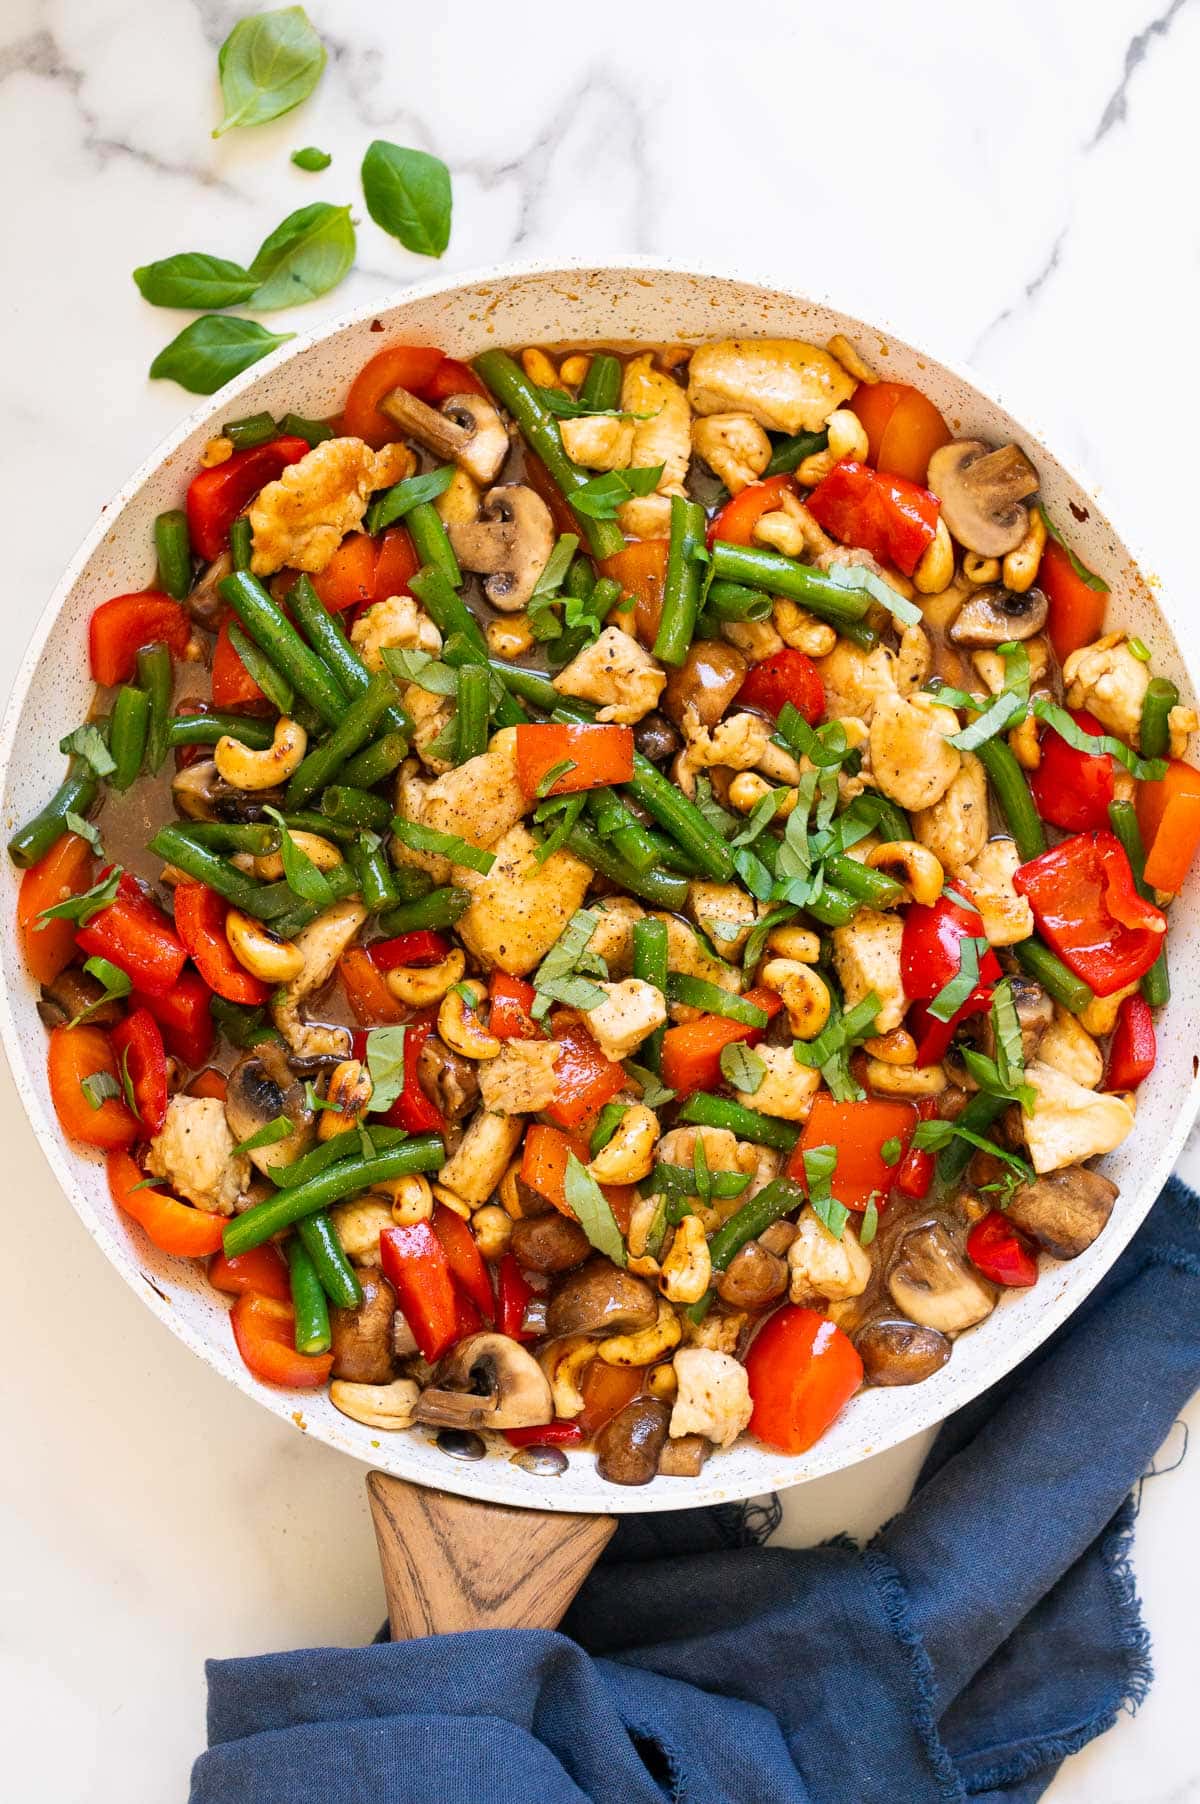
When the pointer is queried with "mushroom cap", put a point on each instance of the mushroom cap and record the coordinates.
(483, 457)
(487, 1381)
(601, 1298)
(1065, 1210)
(263, 1086)
(981, 491)
(931, 1282)
(896, 1352)
(995, 615)
(508, 544)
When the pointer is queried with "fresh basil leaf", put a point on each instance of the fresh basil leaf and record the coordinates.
(572, 991)
(385, 1063)
(270, 1134)
(242, 1027)
(81, 908)
(554, 571)
(268, 64)
(991, 1079)
(558, 402)
(600, 497)
(213, 350)
(892, 1151)
(654, 1092)
(403, 496)
(76, 824)
(563, 768)
(116, 982)
(306, 255)
(761, 816)
(568, 816)
(931, 1136)
(592, 1210)
(408, 194)
(1006, 709)
(87, 742)
(299, 872)
(1146, 770)
(311, 159)
(193, 279)
(99, 1088)
(829, 1052)
(855, 576)
(260, 670)
(953, 994)
(420, 668)
(869, 1226)
(756, 945)
(742, 1067)
(1095, 583)
(448, 845)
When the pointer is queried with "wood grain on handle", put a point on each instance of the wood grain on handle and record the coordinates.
(453, 1563)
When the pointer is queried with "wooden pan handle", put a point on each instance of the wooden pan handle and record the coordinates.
(452, 1563)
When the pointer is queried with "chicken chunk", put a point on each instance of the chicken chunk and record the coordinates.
(521, 1080)
(713, 1397)
(822, 1268)
(724, 912)
(632, 1011)
(612, 937)
(787, 1089)
(1007, 917)
(1069, 1123)
(520, 907)
(618, 672)
(784, 384)
(866, 956)
(321, 943)
(955, 827)
(857, 682)
(1069, 1047)
(664, 437)
(1107, 680)
(480, 800)
(301, 519)
(398, 624)
(598, 441)
(910, 759)
(193, 1151)
(734, 446)
(688, 956)
(482, 1156)
(431, 715)
(411, 790)
(740, 742)
(722, 1150)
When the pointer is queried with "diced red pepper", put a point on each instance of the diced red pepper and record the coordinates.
(261, 1270)
(172, 1226)
(735, 523)
(903, 427)
(584, 1080)
(119, 628)
(65, 870)
(451, 378)
(138, 1046)
(1088, 910)
(802, 1370)
(370, 999)
(1072, 789)
(1169, 815)
(216, 497)
(605, 1391)
(200, 918)
(1002, 1253)
(414, 1263)
(544, 1161)
(74, 1055)
(466, 1261)
(209, 1082)
(858, 1132)
(513, 1295)
(691, 1053)
(265, 1332)
(599, 754)
(399, 366)
(136, 936)
(412, 1109)
(417, 950)
(785, 676)
(1133, 1048)
(1076, 615)
(932, 1036)
(511, 1003)
(550, 1434)
(467, 1319)
(348, 579)
(232, 684)
(396, 564)
(931, 947)
(184, 1013)
(914, 1174)
(889, 516)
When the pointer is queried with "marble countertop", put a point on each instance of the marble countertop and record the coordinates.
(1003, 186)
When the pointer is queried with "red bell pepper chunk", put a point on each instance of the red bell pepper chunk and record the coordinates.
(584, 1080)
(184, 1013)
(511, 1003)
(802, 1370)
(119, 628)
(451, 378)
(513, 1295)
(786, 676)
(467, 1319)
(172, 1226)
(903, 427)
(261, 1270)
(76, 1054)
(232, 684)
(691, 1053)
(932, 1036)
(136, 936)
(544, 1161)
(914, 1174)
(418, 950)
(412, 1109)
(735, 523)
(399, 366)
(550, 1434)
(858, 1131)
(138, 1046)
(370, 999)
(65, 870)
(1169, 815)
(1076, 615)
(1088, 910)
(216, 497)
(348, 579)
(599, 754)
(466, 1261)
(200, 918)
(414, 1263)
(931, 947)
(1002, 1253)
(1072, 789)
(265, 1332)
(1133, 1048)
(605, 1391)
(396, 564)
(889, 516)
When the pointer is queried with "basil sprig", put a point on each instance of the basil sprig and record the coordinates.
(600, 497)
(385, 1063)
(268, 64)
(593, 1211)
(1095, 583)
(194, 279)
(213, 350)
(408, 194)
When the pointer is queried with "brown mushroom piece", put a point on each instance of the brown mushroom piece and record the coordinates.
(601, 1299)
(199, 794)
(449, 1081)
(753, 1278)
(932, 1283)
(684, 1456)
(487, 1381)
(508, 544)
(362, 1339)
(549, 1243)
(708, 679)
(1065, 1210)
(995, 616)
(466, 428)
(655, 738)
(897, 1352)
(75, 992)
(262, 1087)
(982, 491)
(1035, 1012)
(629, 1446)
(203, 601)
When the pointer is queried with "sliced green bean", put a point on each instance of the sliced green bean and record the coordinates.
(775, 1200)
(127, 735)
(356, 807)
(858, 880)
(1013, 795)
(376, 761)
(530, 685)
(255, 429)
(258, 838)
(424, 1152)
(448, 611)
(697, 992)
(681, 590)
(156, 675)
(881, 814)
(734, 601)
(206, 729)
(471, 713)
(173, 548)
(241, 543)
(662, 888)
(331, 1152)
(601, 387)
(310, 820)
(977, 1118)
(374, 872)
(440, 909)
(328, 1256)
(327, 638)
(1156, 984)
(650, 943)
(790, 453)
(614, 823)
(271, 630)
(1034, 956)
(833, 907)
(705, 1110)
(76, 795)
(1160, 697)
(178, 846)
(432, 544)
(312, 1332)
(294, 425)
(781, 575)
(357, 728)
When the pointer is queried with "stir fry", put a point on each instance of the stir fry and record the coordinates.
(613, 896)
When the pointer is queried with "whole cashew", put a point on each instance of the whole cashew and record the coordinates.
(687, 1268)
(563, 1363)
(259, 952)
(492, 1228)
(460, 1027)
(244, 768)
(650, 1344)
(629, 1155)
(804, 992)
(323, 853)
(389, 1406)
(910, 864)
(935, 568)
(419, 988)
(412, 1199)
(1020, 567)
(348, 1097)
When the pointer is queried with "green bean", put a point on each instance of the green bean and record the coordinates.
(705, 1110)
(411, 882)
(258, 838)
(355, 729)
(176, 845)
(374, 872)
(977, 1118)
(255, 429)
(781, 575)
(271, 630)
(241, 543)
(601, 387)
(448, 611)
(263, 674)
(330, 1152)
(376, 761)
(790, 453)
(294, 425)
(858, 880)
(580, 579)
(614, 823)
(697, 992)
(156, 676)
(531, 685)
(206, 729)
(775, 1200)
(471, 714)
(662, 888)
(310, 820)
(650, 964)
(833, 907)
(76, 795)
(343, 883)
(328, 1256)
(173, 549)
(424, 1152)
(734, 601)
(356, 807)
(880, 814)
(1160, 697)
(1012, 793)
(439, 909)
(325, 634)
(514, 391)
(681, 591)
(431, 543)
(1036, 957)
(1156, 984)
(127, 735)
(311, 1312)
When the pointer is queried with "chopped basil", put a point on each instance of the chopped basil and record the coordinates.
(268, 64)
(654, 1091)
(259, 668)
(820, 1163)
(75, 823)
(609, 1120)
(100, 1087)
(554, 571)
(270, 1134)
(756, 945)
(408, 195)
(600, 498)
(243, 1027)
(932, 1136)
(80, 909)
(385, 1063)
(953, 994)
(402, 497)
(299, 872)
(568, 810)
(869, 1226)
(722, 1185)
(117, 983)
(564, 973)
(558, 402)
(127, 1090)
(593, 1212)
(447, 845)
(761, 816)
(87, 742)
(419, 667)
(1006, 709)
(829, 1052)
(892, 1151)
(742, 1067)
(1096, 583)
(1146, 770)
(855, 576)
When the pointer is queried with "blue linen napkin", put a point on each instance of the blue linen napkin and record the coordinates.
(986, 1633)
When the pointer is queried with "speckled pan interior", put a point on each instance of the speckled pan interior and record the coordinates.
(519, 305)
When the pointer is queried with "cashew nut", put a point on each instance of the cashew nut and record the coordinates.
(641, 1220)
(347, 1099)
(748, 788)
(687, 1268)
(412, 1199)
(452, 1200)
(510, 638)
(573, 370)
(804, 992)
(905, 1080)
(460, 1027)
(259, 952)
(359, 1225)
(802, 630)
(650, 1344)
(420, 988)
(980, 570)
(847, 438)
(1020, 567)
(1025, 744)
(244, 768)
(910, 864)
(387, 1406)
(539, 369)
(798, 943)
(663, 1383)
(563, 1362)
(492, 1228)
(935, 567)
(629, 1155)
(323, 853)
(509, 1192)
(896, 1048)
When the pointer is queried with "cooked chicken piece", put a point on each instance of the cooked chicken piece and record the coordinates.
(665, 438)
(787, 1089)
(786, 385)
(687, 955)
(301, 519)
(1071, 1049)
(322, 943)
(734, 446)
(866, 956)
(722, 1150)
(713, 1397)
(857, 682)
(598, 441)
(910, 759)
(520, 907)
(1070, 1124)
(193, 1151)
(955, 828)
(411, 790)
(618, 672)
(480, 800)
(612, 938)
(481, 1160)
(716, 1333)
(1007, 917)
(1107, 680)
(821, 1267)
(740, 742)
(431, 715)
(521, 1080)
(398, 624)
(724, 912)
(633, 1010)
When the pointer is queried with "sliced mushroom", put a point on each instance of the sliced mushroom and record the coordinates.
(996, 615)
(895, 1352)
(201, 794)
(1065, 1210)
(629, 1446)
(708, 679)
(601, 1299)
(451, 1083)
(487, 1381)
(655, 738)
(204, 602)
(262, 1087)
(982, 490)
(549, 1243)
(75, 992)
(932, 1283)
(753, 1278)
(508, 544)
(685, 1456)
(467, 428)
(362, 1339)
